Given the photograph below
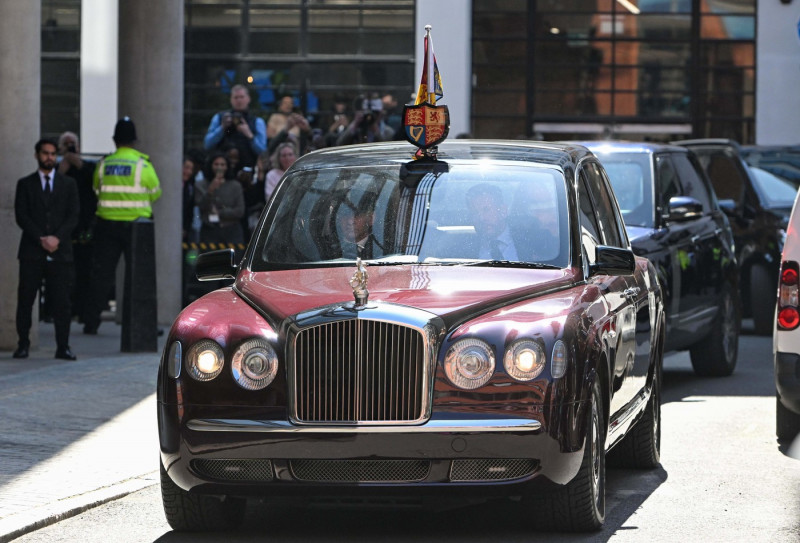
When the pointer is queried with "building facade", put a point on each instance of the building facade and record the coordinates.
(547, 69)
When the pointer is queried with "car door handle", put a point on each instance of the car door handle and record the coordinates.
(631, 293)
(695, 239)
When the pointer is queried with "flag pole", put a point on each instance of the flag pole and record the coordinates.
(429, 61)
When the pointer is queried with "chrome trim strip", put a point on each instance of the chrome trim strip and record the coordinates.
(284, 427)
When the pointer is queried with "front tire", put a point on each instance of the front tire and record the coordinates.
(579, 506)
(716, 354)
(787, 423)
(187, 512)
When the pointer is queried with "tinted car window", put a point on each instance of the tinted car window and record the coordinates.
(691, 180)
(667, 184)
(631, 179)
(606, 210)
(725, 174)
(776, 192)
(334, 215)
(590, 236)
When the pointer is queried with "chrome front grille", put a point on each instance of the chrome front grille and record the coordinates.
(360, 471)
(359, 371)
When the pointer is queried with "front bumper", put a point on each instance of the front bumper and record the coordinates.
(259, 457)
(787, 380)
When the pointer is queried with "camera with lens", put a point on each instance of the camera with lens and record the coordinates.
(371, 109)
(71, 148)
(236, 117)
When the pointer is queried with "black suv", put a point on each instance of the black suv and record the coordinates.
(673, 218)
(759, 205)
(781, 160)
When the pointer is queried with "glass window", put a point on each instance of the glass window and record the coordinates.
(725, 173)
(468, 213)
(729, 27)
(274, 18)
(213, 15)
(657, 27)
(590, 231)
(737, 7)
(607, 212)
(631, 180)
(667, 184)
(691, 180)
(774, 191)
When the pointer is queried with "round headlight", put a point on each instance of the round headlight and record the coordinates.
(205, 360)
(524, 360)
(469, 363)
(558, 361)
(254, 364)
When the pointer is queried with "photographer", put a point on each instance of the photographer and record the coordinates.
(368, 124)
(71, 164)
(238, 128)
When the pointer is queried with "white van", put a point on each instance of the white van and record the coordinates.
(786, 338)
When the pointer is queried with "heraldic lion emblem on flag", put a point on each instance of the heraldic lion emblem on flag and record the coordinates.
(426, 125)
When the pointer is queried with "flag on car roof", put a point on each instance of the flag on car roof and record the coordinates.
(430, 72)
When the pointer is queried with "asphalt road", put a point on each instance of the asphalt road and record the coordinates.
(724, 478)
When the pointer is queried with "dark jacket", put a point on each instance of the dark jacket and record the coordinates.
(38, 219)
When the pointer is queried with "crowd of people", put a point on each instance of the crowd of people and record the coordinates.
(77, 215)
(227, 183)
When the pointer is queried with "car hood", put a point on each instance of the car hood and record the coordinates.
(636, 232)
(441, 290)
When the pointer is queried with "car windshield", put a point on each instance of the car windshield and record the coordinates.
(476, 213)
(777, 192)
(631, 180)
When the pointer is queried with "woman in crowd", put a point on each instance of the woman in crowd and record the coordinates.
(283, 157)
(221, 203)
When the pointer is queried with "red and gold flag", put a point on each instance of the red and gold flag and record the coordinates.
(430, 72)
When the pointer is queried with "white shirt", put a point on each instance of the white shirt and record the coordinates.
(47, 178)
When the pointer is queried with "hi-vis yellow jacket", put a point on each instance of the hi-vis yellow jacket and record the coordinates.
(126, 185)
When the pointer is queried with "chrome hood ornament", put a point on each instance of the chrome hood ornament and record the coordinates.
(359, 284)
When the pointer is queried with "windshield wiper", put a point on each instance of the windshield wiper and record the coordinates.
(511, 264)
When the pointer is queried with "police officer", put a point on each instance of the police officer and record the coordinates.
(126, 185)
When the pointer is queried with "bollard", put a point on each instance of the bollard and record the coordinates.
(139, 307)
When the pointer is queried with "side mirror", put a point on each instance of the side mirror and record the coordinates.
(216, 265)
(613, 261)
(684, 208)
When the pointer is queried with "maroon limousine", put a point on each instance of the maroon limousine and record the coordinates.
(468, 323)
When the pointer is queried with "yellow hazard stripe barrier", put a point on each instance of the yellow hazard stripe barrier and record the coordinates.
(213, 246)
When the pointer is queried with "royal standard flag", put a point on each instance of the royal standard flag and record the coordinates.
(430, 72)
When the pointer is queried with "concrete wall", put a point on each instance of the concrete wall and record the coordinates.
(778, 73)
(451, 33)
(20, 110)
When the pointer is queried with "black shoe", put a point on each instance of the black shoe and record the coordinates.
(21, 352)
(90, 330)
(65, 354)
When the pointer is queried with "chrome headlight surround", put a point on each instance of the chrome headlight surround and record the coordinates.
(524, 359)
(469, 363)
(255, 364)
(205, 359)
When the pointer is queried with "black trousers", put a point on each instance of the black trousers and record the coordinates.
(58, 278)
(111, 240)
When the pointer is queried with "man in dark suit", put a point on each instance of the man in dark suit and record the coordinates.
(47, 208)
(356, 237)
